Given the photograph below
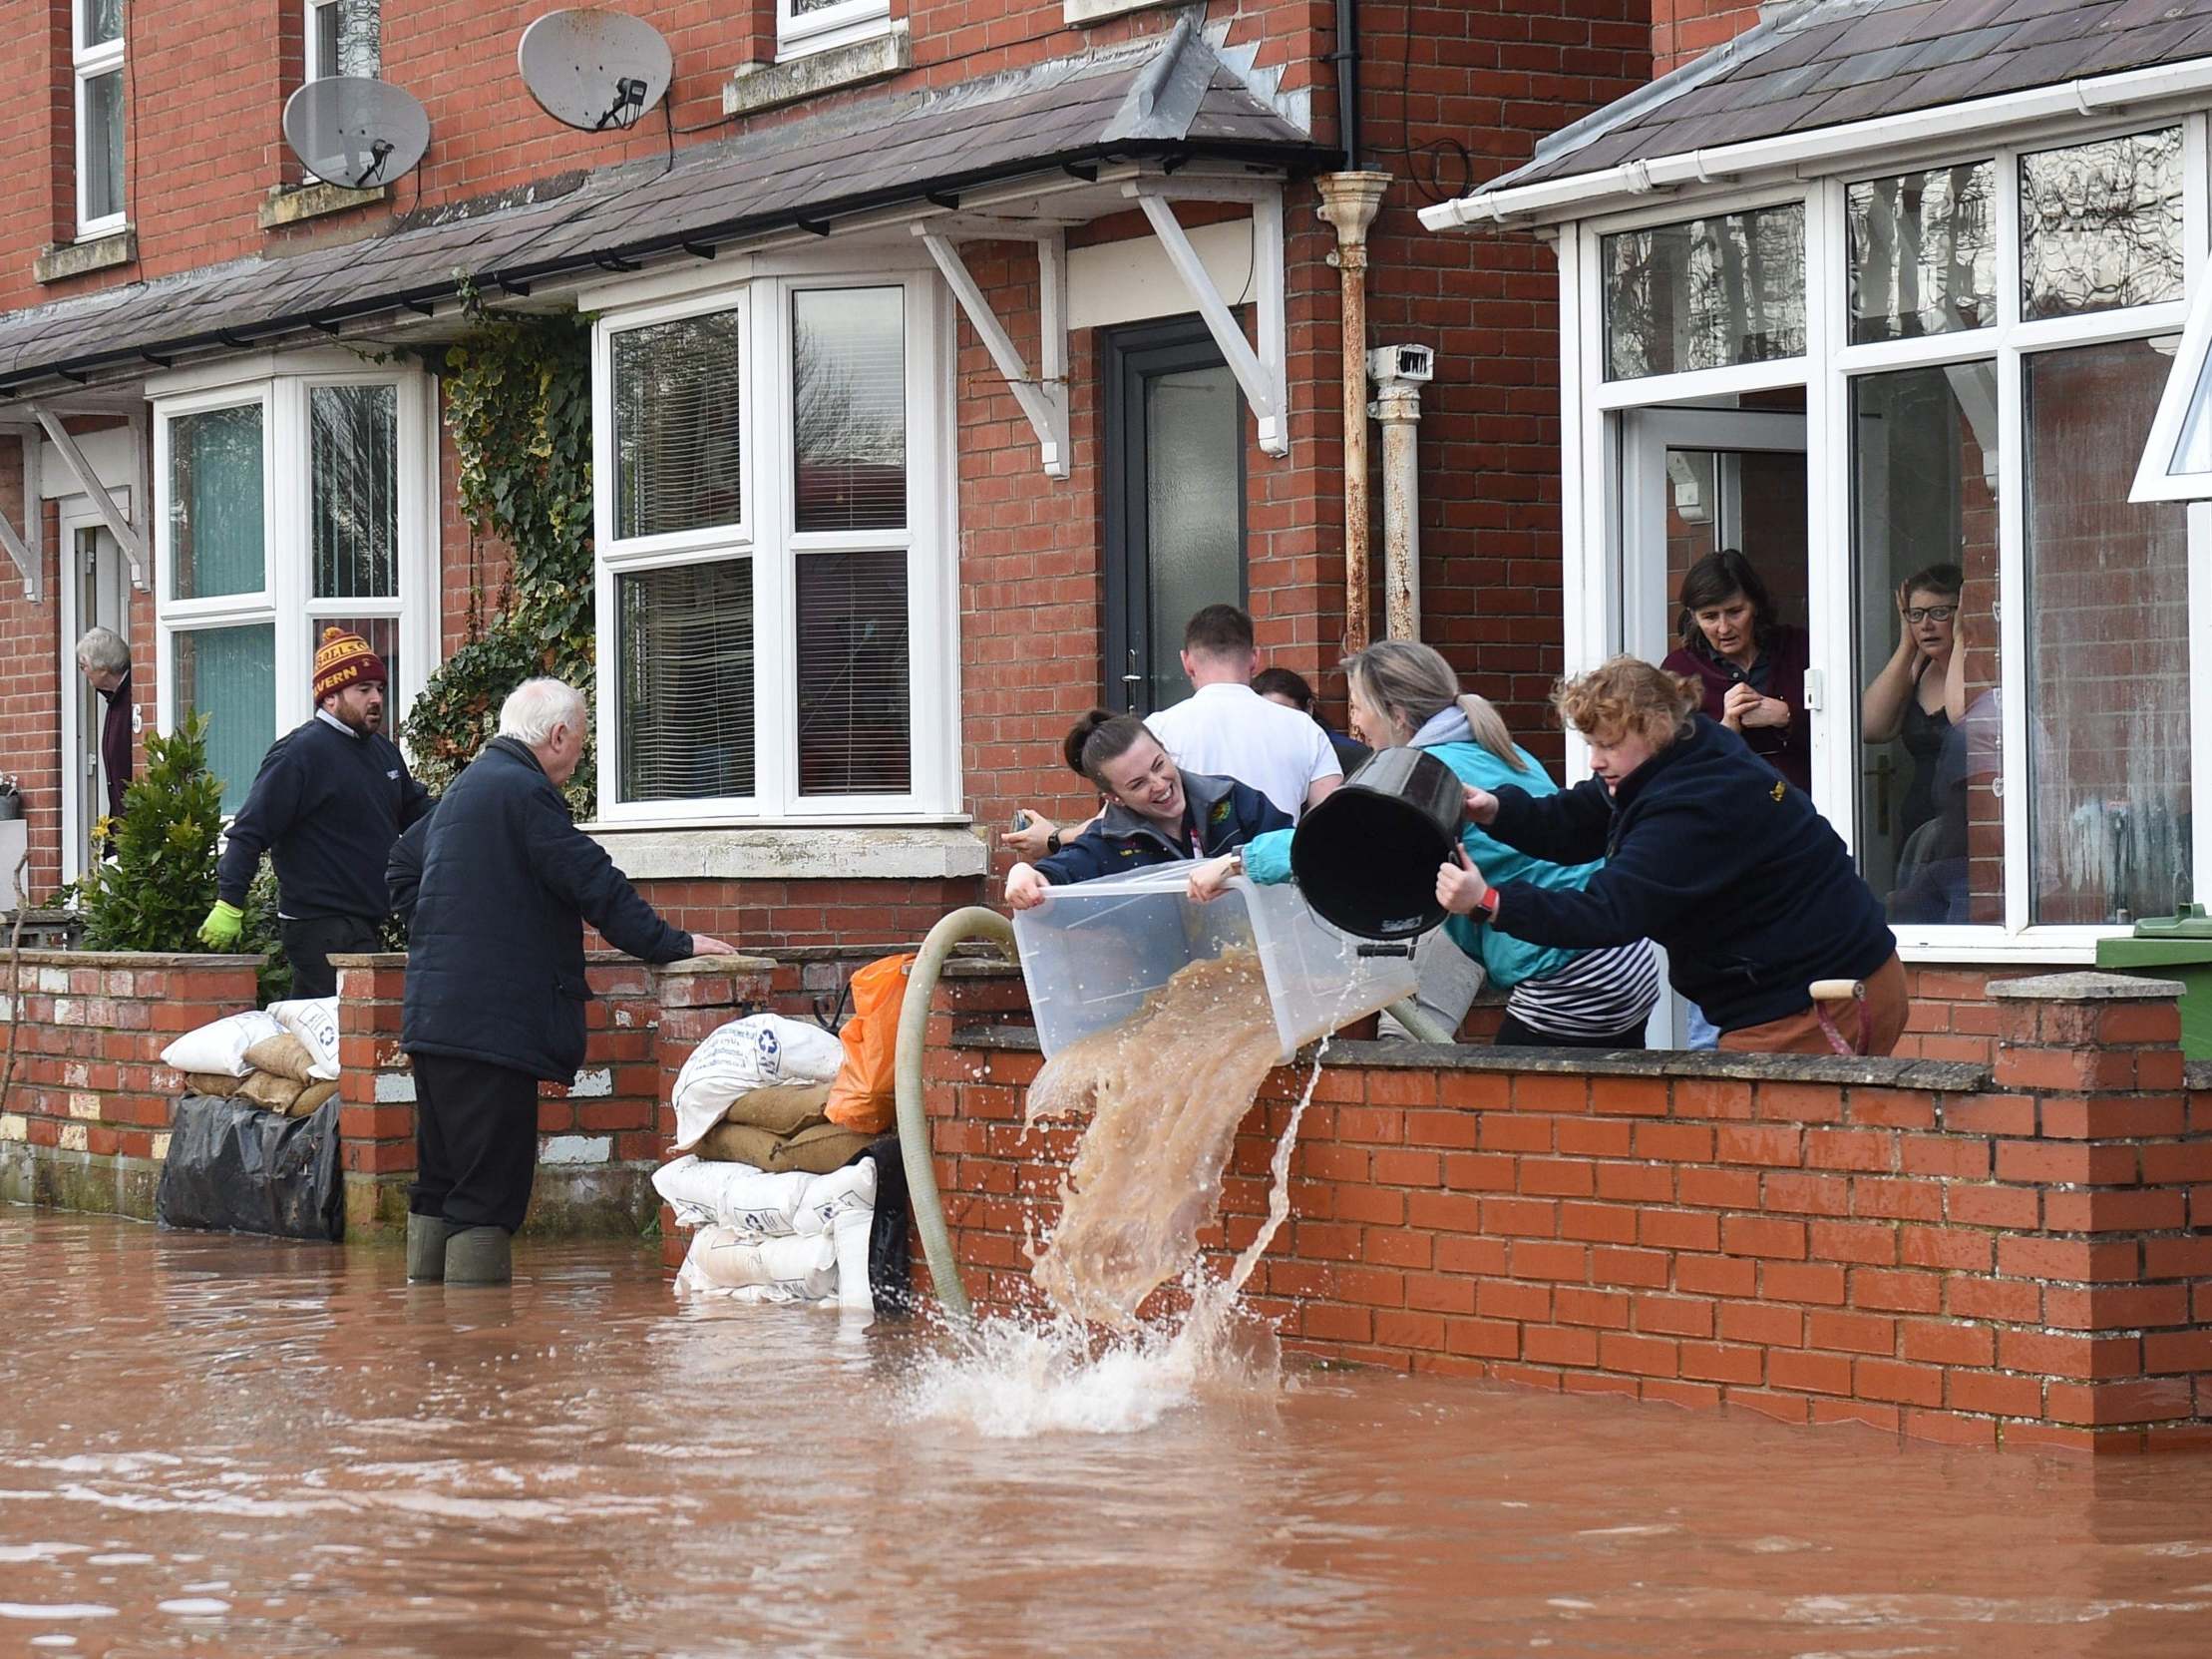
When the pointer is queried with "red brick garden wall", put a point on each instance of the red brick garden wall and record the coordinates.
(2012, 1254)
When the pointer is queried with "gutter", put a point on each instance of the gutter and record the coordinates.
(1581, 195)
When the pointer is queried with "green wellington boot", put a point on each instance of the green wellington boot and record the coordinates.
(426, 1248)
(480, 1256)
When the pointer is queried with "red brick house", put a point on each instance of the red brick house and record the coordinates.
(1061, 263)
(1868, 288)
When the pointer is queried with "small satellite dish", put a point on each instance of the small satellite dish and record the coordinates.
(592, 69)
(351, 131)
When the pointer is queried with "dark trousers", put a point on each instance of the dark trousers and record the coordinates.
(476, 1141)
(1513, 1035)
(310, 943)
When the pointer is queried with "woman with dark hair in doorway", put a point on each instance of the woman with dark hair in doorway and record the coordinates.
(1750, 667)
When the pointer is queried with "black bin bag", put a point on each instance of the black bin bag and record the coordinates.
(235, 1167)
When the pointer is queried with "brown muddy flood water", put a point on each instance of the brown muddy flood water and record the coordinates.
(228, 1445)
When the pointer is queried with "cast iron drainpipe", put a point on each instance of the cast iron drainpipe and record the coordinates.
(1349, 203)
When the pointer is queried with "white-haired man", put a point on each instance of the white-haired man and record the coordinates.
(494, 978)
(104, 659)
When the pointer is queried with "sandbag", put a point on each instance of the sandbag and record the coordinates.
(231, 1165)
(270, 1090)
(757, 1051)
(737, 1195)
(791, 1269)
(216, 1088)
(817, 1149)
(220, 1047)
(284, 1056)
(314, 1020)
(780, 1109)
(864, 1096)
(310, 1099)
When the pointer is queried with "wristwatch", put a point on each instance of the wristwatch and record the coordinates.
(1486, 907)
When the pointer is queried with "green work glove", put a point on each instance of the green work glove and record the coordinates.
(223, 925)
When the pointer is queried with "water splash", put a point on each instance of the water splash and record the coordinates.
(1019, 1376)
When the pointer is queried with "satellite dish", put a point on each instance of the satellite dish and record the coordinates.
(592, 69)
(351, 131)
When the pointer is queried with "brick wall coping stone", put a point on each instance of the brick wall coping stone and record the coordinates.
(2085, 987)
(1935, 1077)
(134, 958)
(398, 959)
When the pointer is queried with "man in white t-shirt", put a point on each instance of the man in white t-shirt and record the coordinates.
(1228, 729)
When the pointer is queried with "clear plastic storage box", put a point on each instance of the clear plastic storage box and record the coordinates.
(1094, 949)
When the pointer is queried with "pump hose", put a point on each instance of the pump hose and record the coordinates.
(914, 1125)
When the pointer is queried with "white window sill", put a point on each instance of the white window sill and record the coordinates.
(1075, 13)
(846, 852)
(1999, 952)
(810, 69)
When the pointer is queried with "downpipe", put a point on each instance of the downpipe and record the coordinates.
(915, 1151)
(1349, 203)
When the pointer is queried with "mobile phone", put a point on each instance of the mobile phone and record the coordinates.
(1021, 819)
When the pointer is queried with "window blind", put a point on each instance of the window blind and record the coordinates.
(214, 472)
(849, 409)
(353, 491)
(677, 444)
(230, 675)
(854, 734)
(684, 699)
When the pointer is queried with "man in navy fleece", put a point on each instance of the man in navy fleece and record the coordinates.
(331, 797)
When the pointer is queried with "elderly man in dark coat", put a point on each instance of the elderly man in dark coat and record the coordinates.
(494, 980)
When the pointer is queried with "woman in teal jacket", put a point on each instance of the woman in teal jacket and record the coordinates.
(1403, 694)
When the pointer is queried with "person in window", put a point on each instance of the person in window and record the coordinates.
(1403, 694)
(1156, 812)
(1749, 667)
(1288, 686)
(1918, 699)
(1708, 853)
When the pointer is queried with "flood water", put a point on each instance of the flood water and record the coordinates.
(236, 1446)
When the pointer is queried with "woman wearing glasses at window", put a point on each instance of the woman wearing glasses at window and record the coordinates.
(1919, 700)
(1749, 667)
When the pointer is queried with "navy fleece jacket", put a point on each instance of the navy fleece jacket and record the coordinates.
(326, 806)
(1711, 856)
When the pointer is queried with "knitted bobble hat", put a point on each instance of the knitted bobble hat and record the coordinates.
(344, 659)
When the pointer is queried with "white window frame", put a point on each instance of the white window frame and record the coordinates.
(86, 63)
(281, 388)
(1594, 409)
(798, 34)
(767, 538)
(314, 69)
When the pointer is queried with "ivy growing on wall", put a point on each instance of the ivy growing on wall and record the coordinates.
(517, 394)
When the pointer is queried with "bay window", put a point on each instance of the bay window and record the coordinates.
(771, 553)
(2006, 708)
(285, 506)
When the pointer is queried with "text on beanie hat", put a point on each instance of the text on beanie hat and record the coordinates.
(344, 659)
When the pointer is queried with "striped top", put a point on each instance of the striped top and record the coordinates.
(1597, 994)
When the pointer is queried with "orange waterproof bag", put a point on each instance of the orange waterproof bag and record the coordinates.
(864, 1097)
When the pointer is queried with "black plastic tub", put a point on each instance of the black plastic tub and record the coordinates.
(1365, 859)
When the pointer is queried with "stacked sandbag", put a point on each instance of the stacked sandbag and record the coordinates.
(757, 1091)
(767, 1178)
(283, 1058)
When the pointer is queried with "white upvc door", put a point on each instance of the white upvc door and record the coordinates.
(96, 593)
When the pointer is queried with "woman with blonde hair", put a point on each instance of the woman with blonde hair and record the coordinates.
(1405, 694)
(1709, 854)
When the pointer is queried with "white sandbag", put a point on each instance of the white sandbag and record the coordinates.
(219, 1048)
(736, 1196)
(314, 1020)
(851, 1235)
(749, 1054)
(776, 1269)
(828, 1198)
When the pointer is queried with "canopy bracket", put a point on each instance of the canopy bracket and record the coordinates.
(1043, 397)
(111, 512)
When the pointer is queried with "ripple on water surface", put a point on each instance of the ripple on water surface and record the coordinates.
(236, 1447)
